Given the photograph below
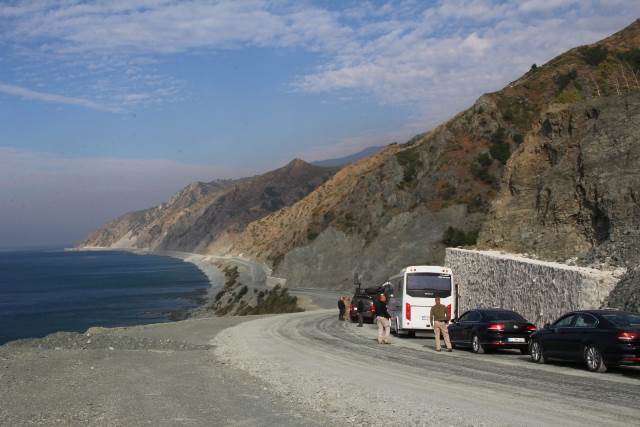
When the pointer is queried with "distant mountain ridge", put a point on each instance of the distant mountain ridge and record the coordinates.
(203, 213)
(343, 161)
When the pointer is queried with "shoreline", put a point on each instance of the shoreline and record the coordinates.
(201, 297)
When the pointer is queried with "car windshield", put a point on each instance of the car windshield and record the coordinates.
(429, 285)
(503, 315)
(623, 320)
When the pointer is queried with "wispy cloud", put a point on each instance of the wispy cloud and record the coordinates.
(25, 93)
(436, 56)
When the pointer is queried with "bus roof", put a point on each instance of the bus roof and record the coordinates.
(426, 269)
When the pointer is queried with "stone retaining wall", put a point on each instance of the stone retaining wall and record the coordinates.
(540, 291)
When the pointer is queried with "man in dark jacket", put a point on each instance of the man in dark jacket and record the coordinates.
(360, 310)
(383, 320)
(341, 308)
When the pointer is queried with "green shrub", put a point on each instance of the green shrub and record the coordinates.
(517, 110)
(411, 163)
(568, 96)
(518, 138)
(631, 57)
(483, 174)
(499, 136)
(534, 67)
(484, 160)
(455, 237)
(563, 80)
(594, 55)
(500, 151)
(276, 300)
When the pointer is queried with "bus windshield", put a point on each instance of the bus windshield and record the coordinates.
(428, 285)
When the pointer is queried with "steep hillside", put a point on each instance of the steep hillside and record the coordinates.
(404, 204)
(206, 212)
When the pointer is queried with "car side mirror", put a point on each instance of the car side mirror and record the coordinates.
(547, 325)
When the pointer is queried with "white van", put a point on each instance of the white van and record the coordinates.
(412, 293)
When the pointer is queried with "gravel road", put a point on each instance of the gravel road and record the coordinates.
(302, 369)
(336, 369)
(152, 375)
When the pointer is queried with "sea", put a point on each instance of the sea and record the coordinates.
(52, 290)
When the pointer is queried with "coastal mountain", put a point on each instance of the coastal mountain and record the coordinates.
(205, 213)
(343, 161)
(555, 153)
(549, 166)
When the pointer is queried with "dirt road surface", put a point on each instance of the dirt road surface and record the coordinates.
(303, 369)
(337, 369)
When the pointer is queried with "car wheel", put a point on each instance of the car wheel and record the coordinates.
(476, 346)
(536, 352)
(594, 360)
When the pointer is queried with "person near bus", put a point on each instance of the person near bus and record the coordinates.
(341, 308)
(383, 320)
(360, 307)
(440, 319)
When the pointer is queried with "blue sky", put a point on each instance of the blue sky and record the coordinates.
(112, 106)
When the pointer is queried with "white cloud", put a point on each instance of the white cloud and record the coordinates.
(435, 56)
(25, 93)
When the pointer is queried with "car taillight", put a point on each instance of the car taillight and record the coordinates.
(627, 336)
(496, 327)
(449, 310)
(373, 308)
(407, 311)
(531, 328)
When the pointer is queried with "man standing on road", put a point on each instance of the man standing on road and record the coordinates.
(383, 320)
(440, 320)
(341, 308)
(360, 308)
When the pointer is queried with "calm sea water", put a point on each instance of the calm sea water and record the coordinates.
(44, 292)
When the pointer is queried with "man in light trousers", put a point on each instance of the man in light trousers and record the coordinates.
(383, 320)
(440, 320)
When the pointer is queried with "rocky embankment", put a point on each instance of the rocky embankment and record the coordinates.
(539, 290)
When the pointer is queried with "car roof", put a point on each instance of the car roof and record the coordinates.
(603, 311)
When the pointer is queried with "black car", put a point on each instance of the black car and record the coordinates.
(367, 297)
(599, 338)
(484, 330)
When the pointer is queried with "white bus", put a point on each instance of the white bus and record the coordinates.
(412, 293)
